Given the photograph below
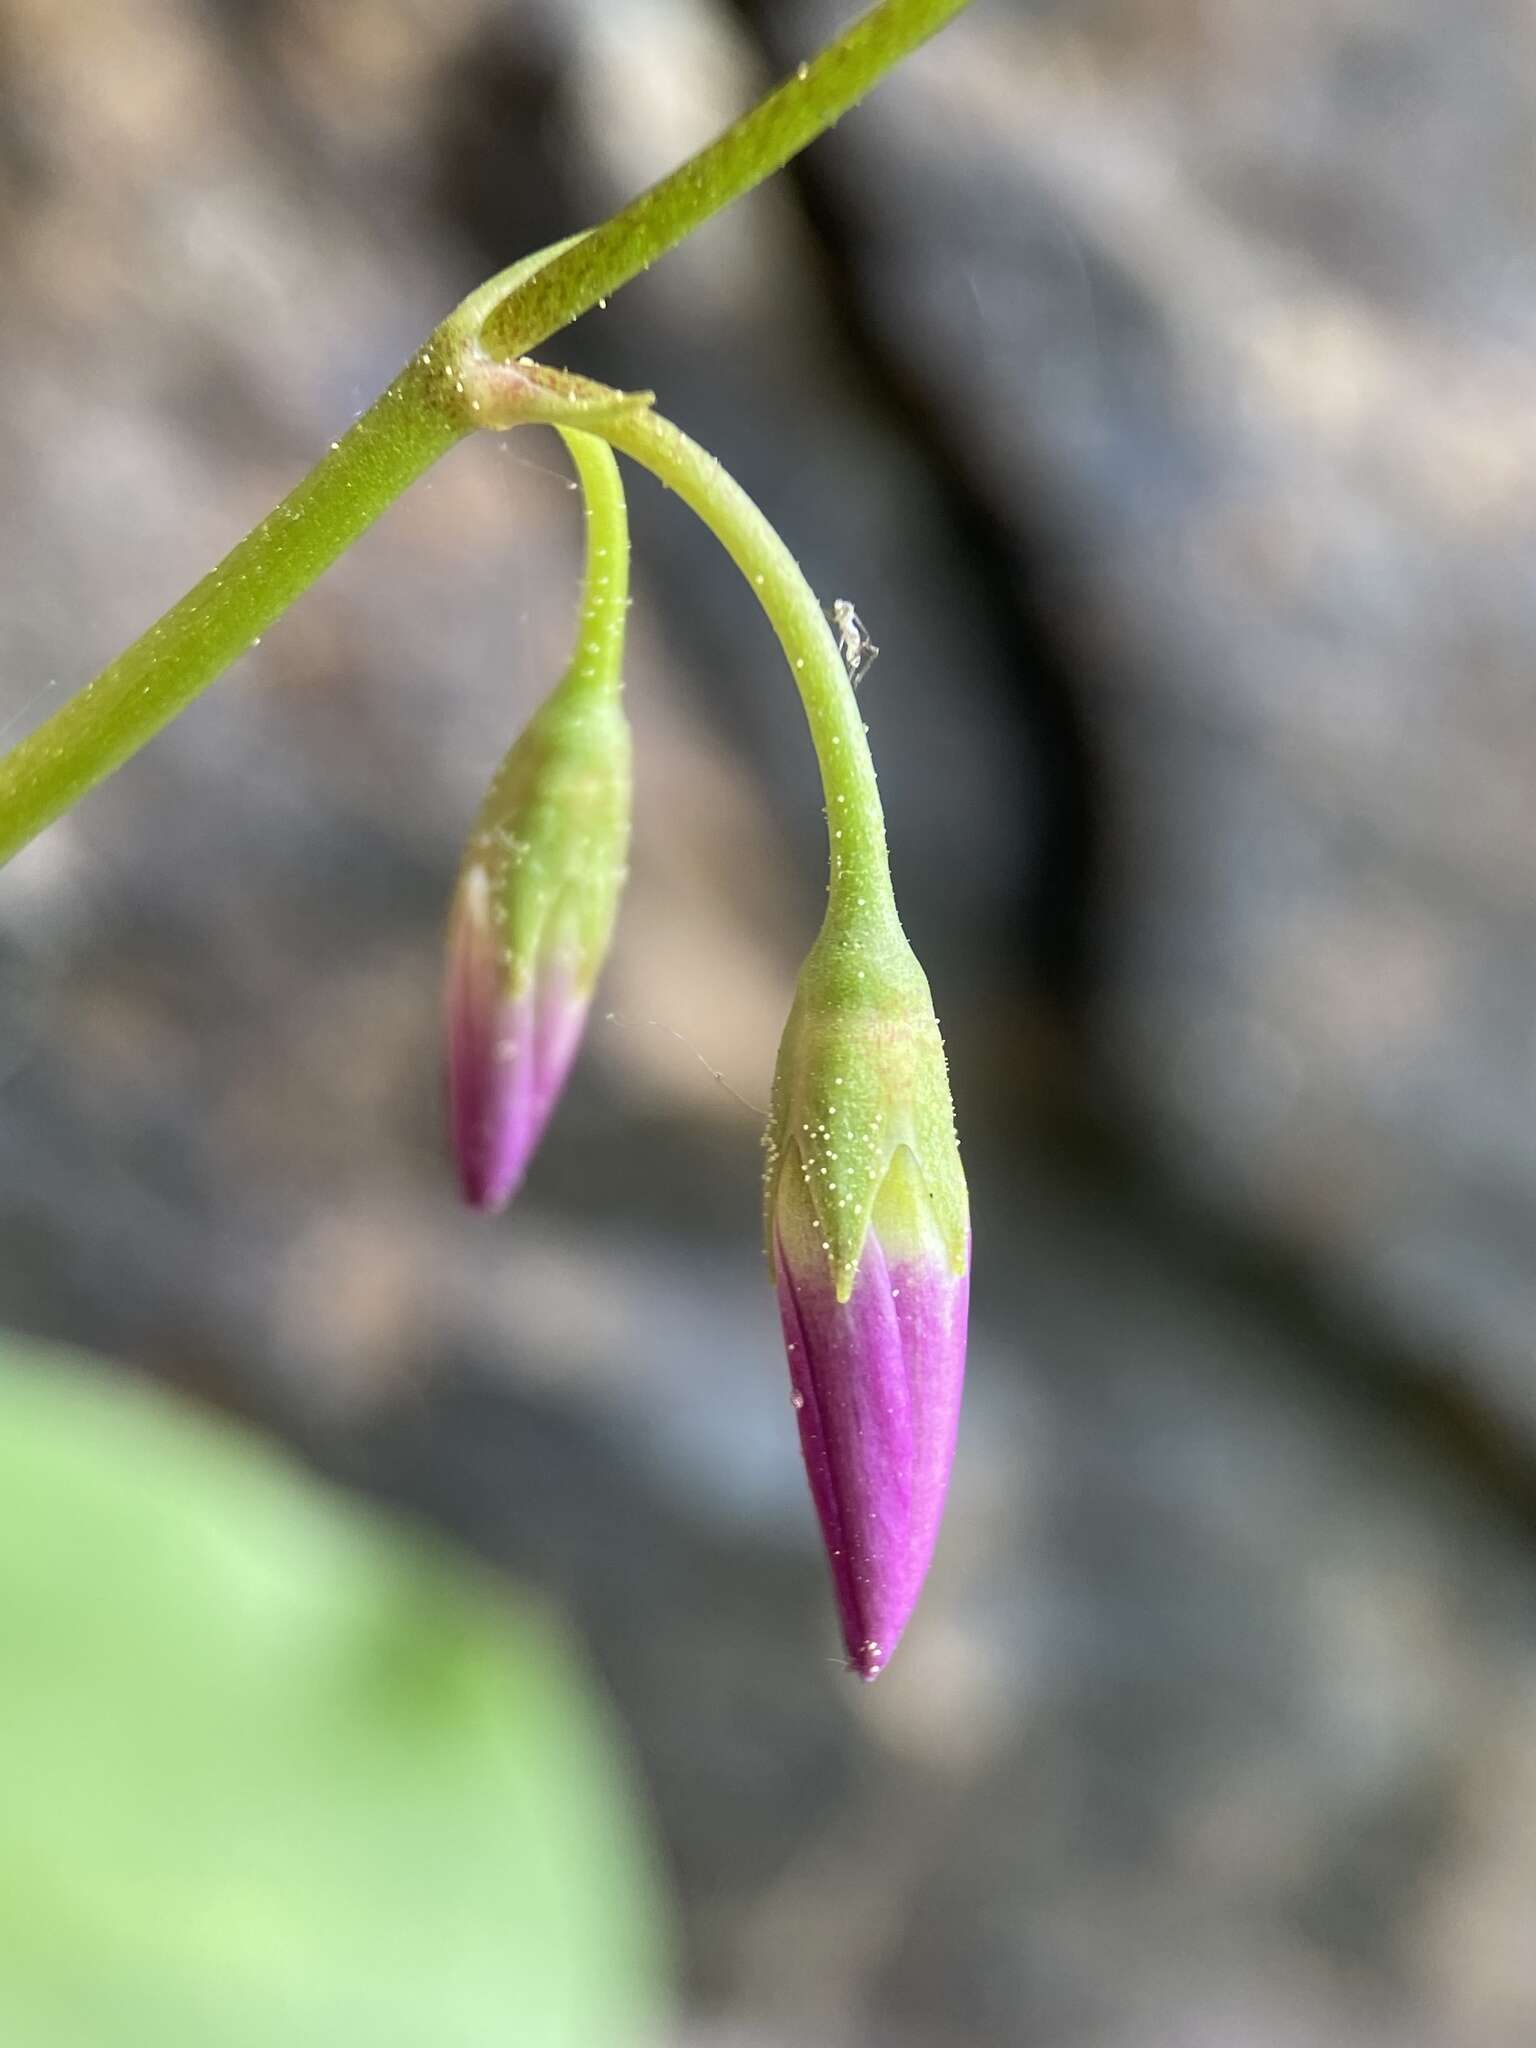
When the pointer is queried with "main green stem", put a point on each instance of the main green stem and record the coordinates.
(817, 94)
(398, 438)
(421, 416)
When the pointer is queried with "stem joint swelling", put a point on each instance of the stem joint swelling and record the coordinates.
(496, 395)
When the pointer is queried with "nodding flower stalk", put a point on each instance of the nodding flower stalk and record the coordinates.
(539, 885)
(867, 1221)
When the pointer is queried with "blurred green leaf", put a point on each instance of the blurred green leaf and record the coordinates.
(273, 1772)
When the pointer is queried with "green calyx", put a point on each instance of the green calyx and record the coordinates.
(553, 838)
(862, 1114)
(552, 835)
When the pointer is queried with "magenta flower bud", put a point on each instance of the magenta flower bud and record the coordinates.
(869, 1234)
(511, 1042)
(539, 887)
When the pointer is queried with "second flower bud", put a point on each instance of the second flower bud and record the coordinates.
(539, 887)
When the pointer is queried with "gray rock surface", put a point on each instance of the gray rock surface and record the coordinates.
(1155, 379)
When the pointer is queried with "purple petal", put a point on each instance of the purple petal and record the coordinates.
(877, 1382)
(508, 1057)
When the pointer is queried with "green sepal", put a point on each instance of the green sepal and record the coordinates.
(861, 1079)
(553, 838)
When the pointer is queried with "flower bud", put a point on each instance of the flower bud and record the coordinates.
(539, 886)
(532, 916)
(869, 1235)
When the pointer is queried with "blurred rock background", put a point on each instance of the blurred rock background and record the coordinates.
(1157, 379)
